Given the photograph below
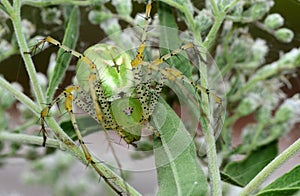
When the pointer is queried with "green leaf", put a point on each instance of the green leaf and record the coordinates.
(242, 172)
(279, 192)
(179, 172)
(169, 39)
(287, 184)
(63, 58)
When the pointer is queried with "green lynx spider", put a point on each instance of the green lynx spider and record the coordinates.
(126, 113)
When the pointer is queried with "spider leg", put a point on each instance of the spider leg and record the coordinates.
(139, 56)
(68, 96)
(45, 113)
(174, 76)
(68, 106)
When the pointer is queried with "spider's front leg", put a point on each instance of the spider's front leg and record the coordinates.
(68, 96)
(69, 107)
(45, 111)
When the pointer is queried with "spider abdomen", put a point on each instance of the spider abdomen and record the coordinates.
(127, 112)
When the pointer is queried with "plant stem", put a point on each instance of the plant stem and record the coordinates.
(14, 13)
(214, 173)
(216, 188)
(211, 38)
(271, 167)
(26, 139)
(19, 96)
(214, 7)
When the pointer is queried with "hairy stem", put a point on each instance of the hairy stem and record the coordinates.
(14, 13)
(26, 139)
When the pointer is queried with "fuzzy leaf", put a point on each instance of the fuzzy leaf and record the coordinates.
(242, 172)
(287, 184)
(179, 172)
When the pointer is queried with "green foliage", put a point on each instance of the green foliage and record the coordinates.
(287, 184)
(253, 89)
(242, 172)
(177, 168)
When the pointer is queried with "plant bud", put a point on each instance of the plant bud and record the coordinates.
(284, 35)
(274, 21)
